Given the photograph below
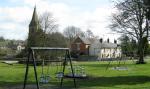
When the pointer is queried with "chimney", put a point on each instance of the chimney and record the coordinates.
(108, 40)
(115, 41)
(101, 40)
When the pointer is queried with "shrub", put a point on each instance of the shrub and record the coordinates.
(74, 54)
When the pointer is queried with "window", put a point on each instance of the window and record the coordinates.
(78, 46)
(87, 46)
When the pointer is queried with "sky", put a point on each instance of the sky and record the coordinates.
(15, 16)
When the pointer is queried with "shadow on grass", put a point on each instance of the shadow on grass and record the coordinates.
(92, 82)
(105, 65)
(32, 85)
(112, 81)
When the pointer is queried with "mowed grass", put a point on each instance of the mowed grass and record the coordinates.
(136, 77)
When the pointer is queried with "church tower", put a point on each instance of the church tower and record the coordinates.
(34, 24)
(34, 29)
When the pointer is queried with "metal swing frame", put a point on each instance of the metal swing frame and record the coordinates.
(119, 60)
(31, 57)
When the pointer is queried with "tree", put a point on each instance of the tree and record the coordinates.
(48, 23)
(128, 45)
(146, 46)
(71, 32)
(89, 34)
(56, 39)
(12, 45)
(124, 39)
(147, 5)
(131, 20)
(51, 37)
(2, 39)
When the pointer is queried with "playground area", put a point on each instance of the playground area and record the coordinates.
(134, 77)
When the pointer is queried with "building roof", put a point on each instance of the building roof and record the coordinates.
(85, 40)
(97, 44)
(34, 18)
(108, 45)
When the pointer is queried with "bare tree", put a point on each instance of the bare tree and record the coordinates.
(48, 23)
(89, 34)
(71, 32)
(131, 20)
(147, 5)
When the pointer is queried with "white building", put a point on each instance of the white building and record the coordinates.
(20, 47)
(105, 49)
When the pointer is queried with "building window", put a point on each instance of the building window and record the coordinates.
(78, 46)
(87, 46)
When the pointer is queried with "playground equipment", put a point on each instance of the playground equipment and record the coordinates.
(79, 72)
(44, 78)
(59, 72)
(121, 61)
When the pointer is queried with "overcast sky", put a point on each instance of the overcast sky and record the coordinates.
(15, 15)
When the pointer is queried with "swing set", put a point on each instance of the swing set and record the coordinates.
(121, 61)
(45, 77)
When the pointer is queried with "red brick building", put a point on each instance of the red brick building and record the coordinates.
(81, 46)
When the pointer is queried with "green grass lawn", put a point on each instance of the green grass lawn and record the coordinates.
(136, 77)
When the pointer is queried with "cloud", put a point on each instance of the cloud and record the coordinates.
(13, 31)
(14, 22)
(16, 19)
(15, 14)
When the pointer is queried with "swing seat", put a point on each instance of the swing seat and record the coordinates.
(47, 78)
(59, 75)
(44, 79)
(84, 75)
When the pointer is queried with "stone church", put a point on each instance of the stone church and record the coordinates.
(35, 32)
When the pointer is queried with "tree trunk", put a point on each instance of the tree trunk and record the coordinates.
(141, 57)
(141, 52)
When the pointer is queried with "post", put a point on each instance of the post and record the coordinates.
(64, 64)
(35, 72)
(69, 57)
(30, 54)
(27, 68)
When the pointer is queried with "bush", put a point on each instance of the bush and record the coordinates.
(3, 52)
(74, 54)
(87, 58)
(22, 54)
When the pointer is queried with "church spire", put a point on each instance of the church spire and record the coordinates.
(34, 20)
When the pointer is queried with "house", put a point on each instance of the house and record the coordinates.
(105, 49)
(96, 47)
(20, 47)
(80, 46)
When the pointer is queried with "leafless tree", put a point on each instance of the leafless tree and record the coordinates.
(131, 19)
(71, 32)
(89, 34)
(48, 23)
